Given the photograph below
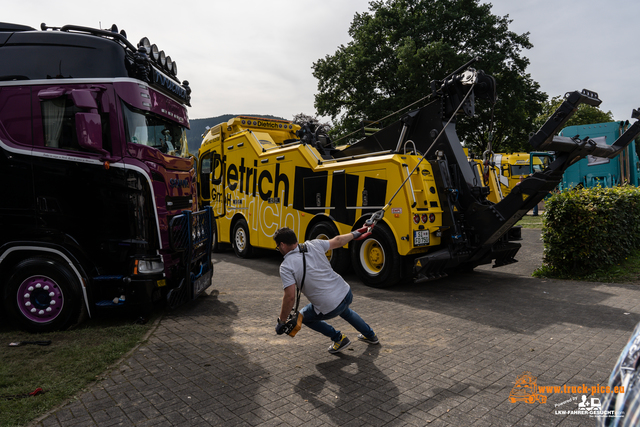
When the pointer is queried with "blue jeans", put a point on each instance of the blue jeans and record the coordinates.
(317, 321)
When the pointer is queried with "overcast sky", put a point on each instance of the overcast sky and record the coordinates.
(255, 56)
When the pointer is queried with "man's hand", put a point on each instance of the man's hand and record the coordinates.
(280, 327)
(362, 233)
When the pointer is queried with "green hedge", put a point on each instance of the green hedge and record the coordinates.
(590, 228)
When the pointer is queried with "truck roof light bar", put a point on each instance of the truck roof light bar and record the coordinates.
(159, 57)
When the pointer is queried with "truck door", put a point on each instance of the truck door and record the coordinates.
(210, 182)
(17, 204)
(79, 189)
(217, 184)
(204, 179)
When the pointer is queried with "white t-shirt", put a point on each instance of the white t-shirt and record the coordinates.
(323, 287)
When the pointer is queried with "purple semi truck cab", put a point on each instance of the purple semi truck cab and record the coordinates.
(98, 206)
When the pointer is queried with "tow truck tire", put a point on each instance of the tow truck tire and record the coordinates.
(240, 240)
(338, 258)
(43, 295)
(376, 259)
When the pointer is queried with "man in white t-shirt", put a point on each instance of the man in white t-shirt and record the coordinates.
(329, 294)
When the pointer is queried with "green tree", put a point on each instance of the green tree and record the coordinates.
(400, 46)
(585, 115)
(302, 118)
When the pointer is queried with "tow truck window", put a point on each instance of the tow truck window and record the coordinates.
(148, 129)
(519, 170)
(541, 163)
(205, 173)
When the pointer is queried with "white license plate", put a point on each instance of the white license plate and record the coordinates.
(420, 237)
(202, 283)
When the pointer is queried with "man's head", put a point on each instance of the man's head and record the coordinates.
(285, 235)
(284, 238)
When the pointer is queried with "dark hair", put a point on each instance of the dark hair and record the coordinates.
(285, 235)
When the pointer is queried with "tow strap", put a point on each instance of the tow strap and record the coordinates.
(377, 216)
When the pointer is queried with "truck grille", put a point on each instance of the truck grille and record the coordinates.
(190, 230)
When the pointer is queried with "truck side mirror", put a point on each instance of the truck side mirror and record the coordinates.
(89, 131)
(84, 99)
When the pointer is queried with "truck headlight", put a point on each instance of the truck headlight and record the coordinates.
(148, 266)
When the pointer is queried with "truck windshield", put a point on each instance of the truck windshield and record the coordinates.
(143, 127)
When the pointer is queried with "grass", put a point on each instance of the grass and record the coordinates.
(73, 360)
(628, 271)
(530, 221)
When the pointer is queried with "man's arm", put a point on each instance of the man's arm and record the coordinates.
(343, 239)
(288, 300)
(340, 241)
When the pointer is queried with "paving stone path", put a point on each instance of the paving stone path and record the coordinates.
(450, 354)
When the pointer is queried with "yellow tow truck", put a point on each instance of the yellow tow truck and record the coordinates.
(434, 212)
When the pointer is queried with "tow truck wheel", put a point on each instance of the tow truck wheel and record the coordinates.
(241, 242)
(339, 258)
(376, 259)
(43, 295)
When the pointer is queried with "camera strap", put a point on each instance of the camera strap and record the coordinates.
(302, 248)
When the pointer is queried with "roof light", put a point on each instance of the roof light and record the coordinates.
(163, 59)
(175, 68)
(144, 42)
(155, 53)
(169, 65)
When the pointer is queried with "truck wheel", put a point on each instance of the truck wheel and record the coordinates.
(241, 242)
(43, 295)
(376, 260)
(338, 258)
